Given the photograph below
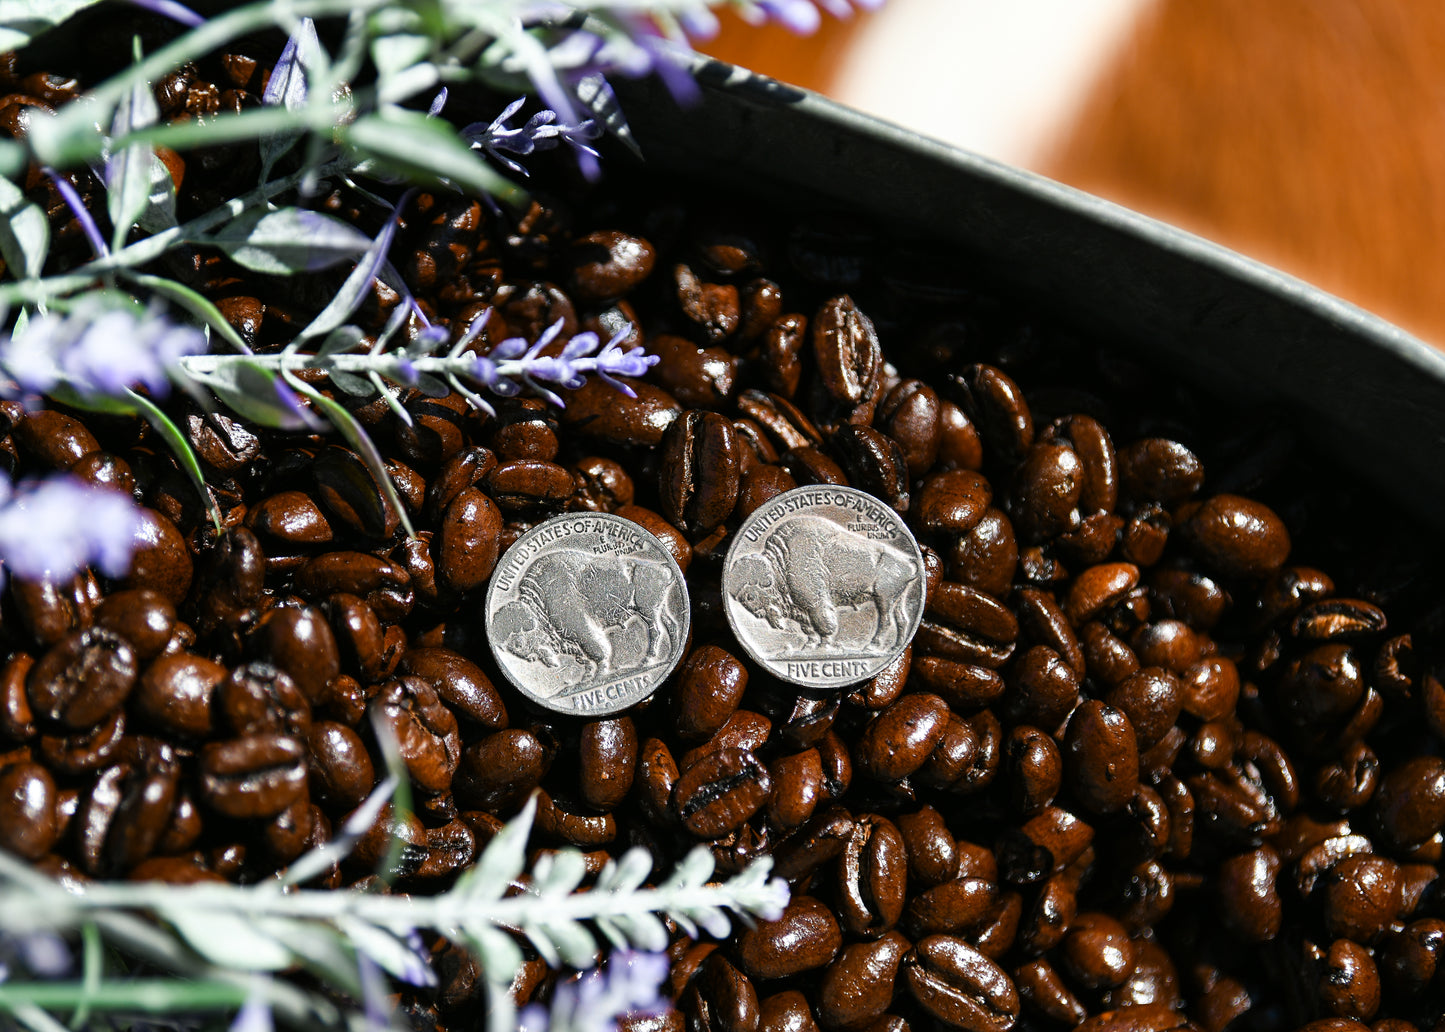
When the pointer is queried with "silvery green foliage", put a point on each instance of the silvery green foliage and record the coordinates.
(220, 936)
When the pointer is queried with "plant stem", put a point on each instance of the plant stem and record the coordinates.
(150, 995)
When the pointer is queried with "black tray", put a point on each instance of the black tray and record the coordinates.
(1362, 389)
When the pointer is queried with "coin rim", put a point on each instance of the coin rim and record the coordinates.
(683, 637)
(769, 665)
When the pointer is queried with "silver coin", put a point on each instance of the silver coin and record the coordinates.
(587, 613)
(824, 586)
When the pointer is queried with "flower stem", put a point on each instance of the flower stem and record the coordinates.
(151, 995)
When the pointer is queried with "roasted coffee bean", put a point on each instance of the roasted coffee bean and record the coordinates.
(996, 405)
(953, 907)
(1349, 985)
(497, 772)
(1248, 898)
(1097, 588)
(705, 377)
(341, 771)
(1044, 923)
(719, 791)
(911, 414)
(698, 479)
(1043, 846)
(425, 731)
(1362, 897)
(899, 739)
(872, 877)
(46, 609)
(1152, 699)
(1410, 803)
(1045, 689)
(290, 519)
(1211, 688)
(607, 264)
(469, 542)
(858, 987)
(29, 818)
(1036, 768)
(953, 502)
(1237, 537)
(84, 751)
(299, 641)
(930, 847)
(964, 686)
(1041, 988)
(875, 463)
(846, 352)
(174, 694)
(1148, 1017)
(1156, 469)
(797, 789)
(1101, 757)
(956, 984)
(82, 679)
(255, 776)
(804, 938)
(1046, 490)
(987, 555)
(608, 761)
(145, 619)
(257, 698)
(1097, 952)
(787, 1011)
(1348, 783)
(461, 684)
(724, 998)
(713, 307)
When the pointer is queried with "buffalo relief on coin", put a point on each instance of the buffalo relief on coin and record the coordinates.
(587, 613)
(824, 586)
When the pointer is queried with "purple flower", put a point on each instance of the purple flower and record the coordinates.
(68, 194)
(799, 16)
(51, 528)
(97, 351)
(594, 1001)
(287, 85)
(543, 131)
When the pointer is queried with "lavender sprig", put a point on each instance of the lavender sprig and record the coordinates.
(50, 529)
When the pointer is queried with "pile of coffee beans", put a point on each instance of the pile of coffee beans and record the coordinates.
(1164, 753)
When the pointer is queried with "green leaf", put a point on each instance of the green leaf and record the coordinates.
(24, 232)
(289, 241)
(229, 940)
(250, 389)
(23, 20)
(341, 339)
(192, 301)
(160, 213)
(390, 953)
(396, 53)
(180, 448)
(564, 940)
(128, 173)
(350, 383)
(503, 860)
(496, 951)
(427, 149)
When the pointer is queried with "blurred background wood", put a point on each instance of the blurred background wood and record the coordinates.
(1307, 133)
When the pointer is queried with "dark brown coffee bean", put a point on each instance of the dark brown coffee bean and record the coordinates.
(872, 877)
(713, 307)
(290, 519)
(805, 938)
(461, 684)
(341, 771)
(257, 698)
(607, 264)
(469, 541)
(255, 776)
(857, 988)
(425, 731)
(29, 818)
(145, 619)
(1097, 952)
(987, 555)
(1044, 923)
(1410, 803)
(705, 378)
(1041, 988)
(1101, 757)
(602, 485)
(1148, 1017)
(1043, 846)
(1362, 897)
(698, 477)
(1410, 960)
(608, 761)
(1152, 700)
(1335, 618)
(86, 750)
(596, 410)
(899, 739)
(954, 907)
(962, 685)
(569, 822)
(956, 984)
(1155, 469)
(1211, 688)
(1043, 621)
(1249, 900)
(1035, 767)
(953, 502)
(300, 642)
(911, 414)
(360, 638)
(499, 771)
(160, 560)
(874, 463)
(846, 352)
(930, 847)
(174, 694)
(82, 679)
(1237, 537)
(785, 1012)
(724, 998)
(1349, 984)
(54, 439)
(996, 405)
(1044, 689)
(1348, 783)
(719, 791)
(1097, 588)
(1046, 490)
(959, 444)
(797, 789)
(1324, 684)
(46, 609)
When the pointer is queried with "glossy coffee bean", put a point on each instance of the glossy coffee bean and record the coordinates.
(174, 694)
(145, 619)
(722, 789)
(1101, 757)
(858, 987)
(957, 985)
(901, 737)
(82, 679)
(462, 685)
(255, 776)
(1249, 900)
(1361, 897)
(872, 877)
(425, 731)
(300, 642)
(341, 771)
(806, 937)
(608, 761)
(931, 849)
(1237, 537)
(29, 818)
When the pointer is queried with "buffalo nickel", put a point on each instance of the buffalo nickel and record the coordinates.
(587, 613)
(824, 586)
